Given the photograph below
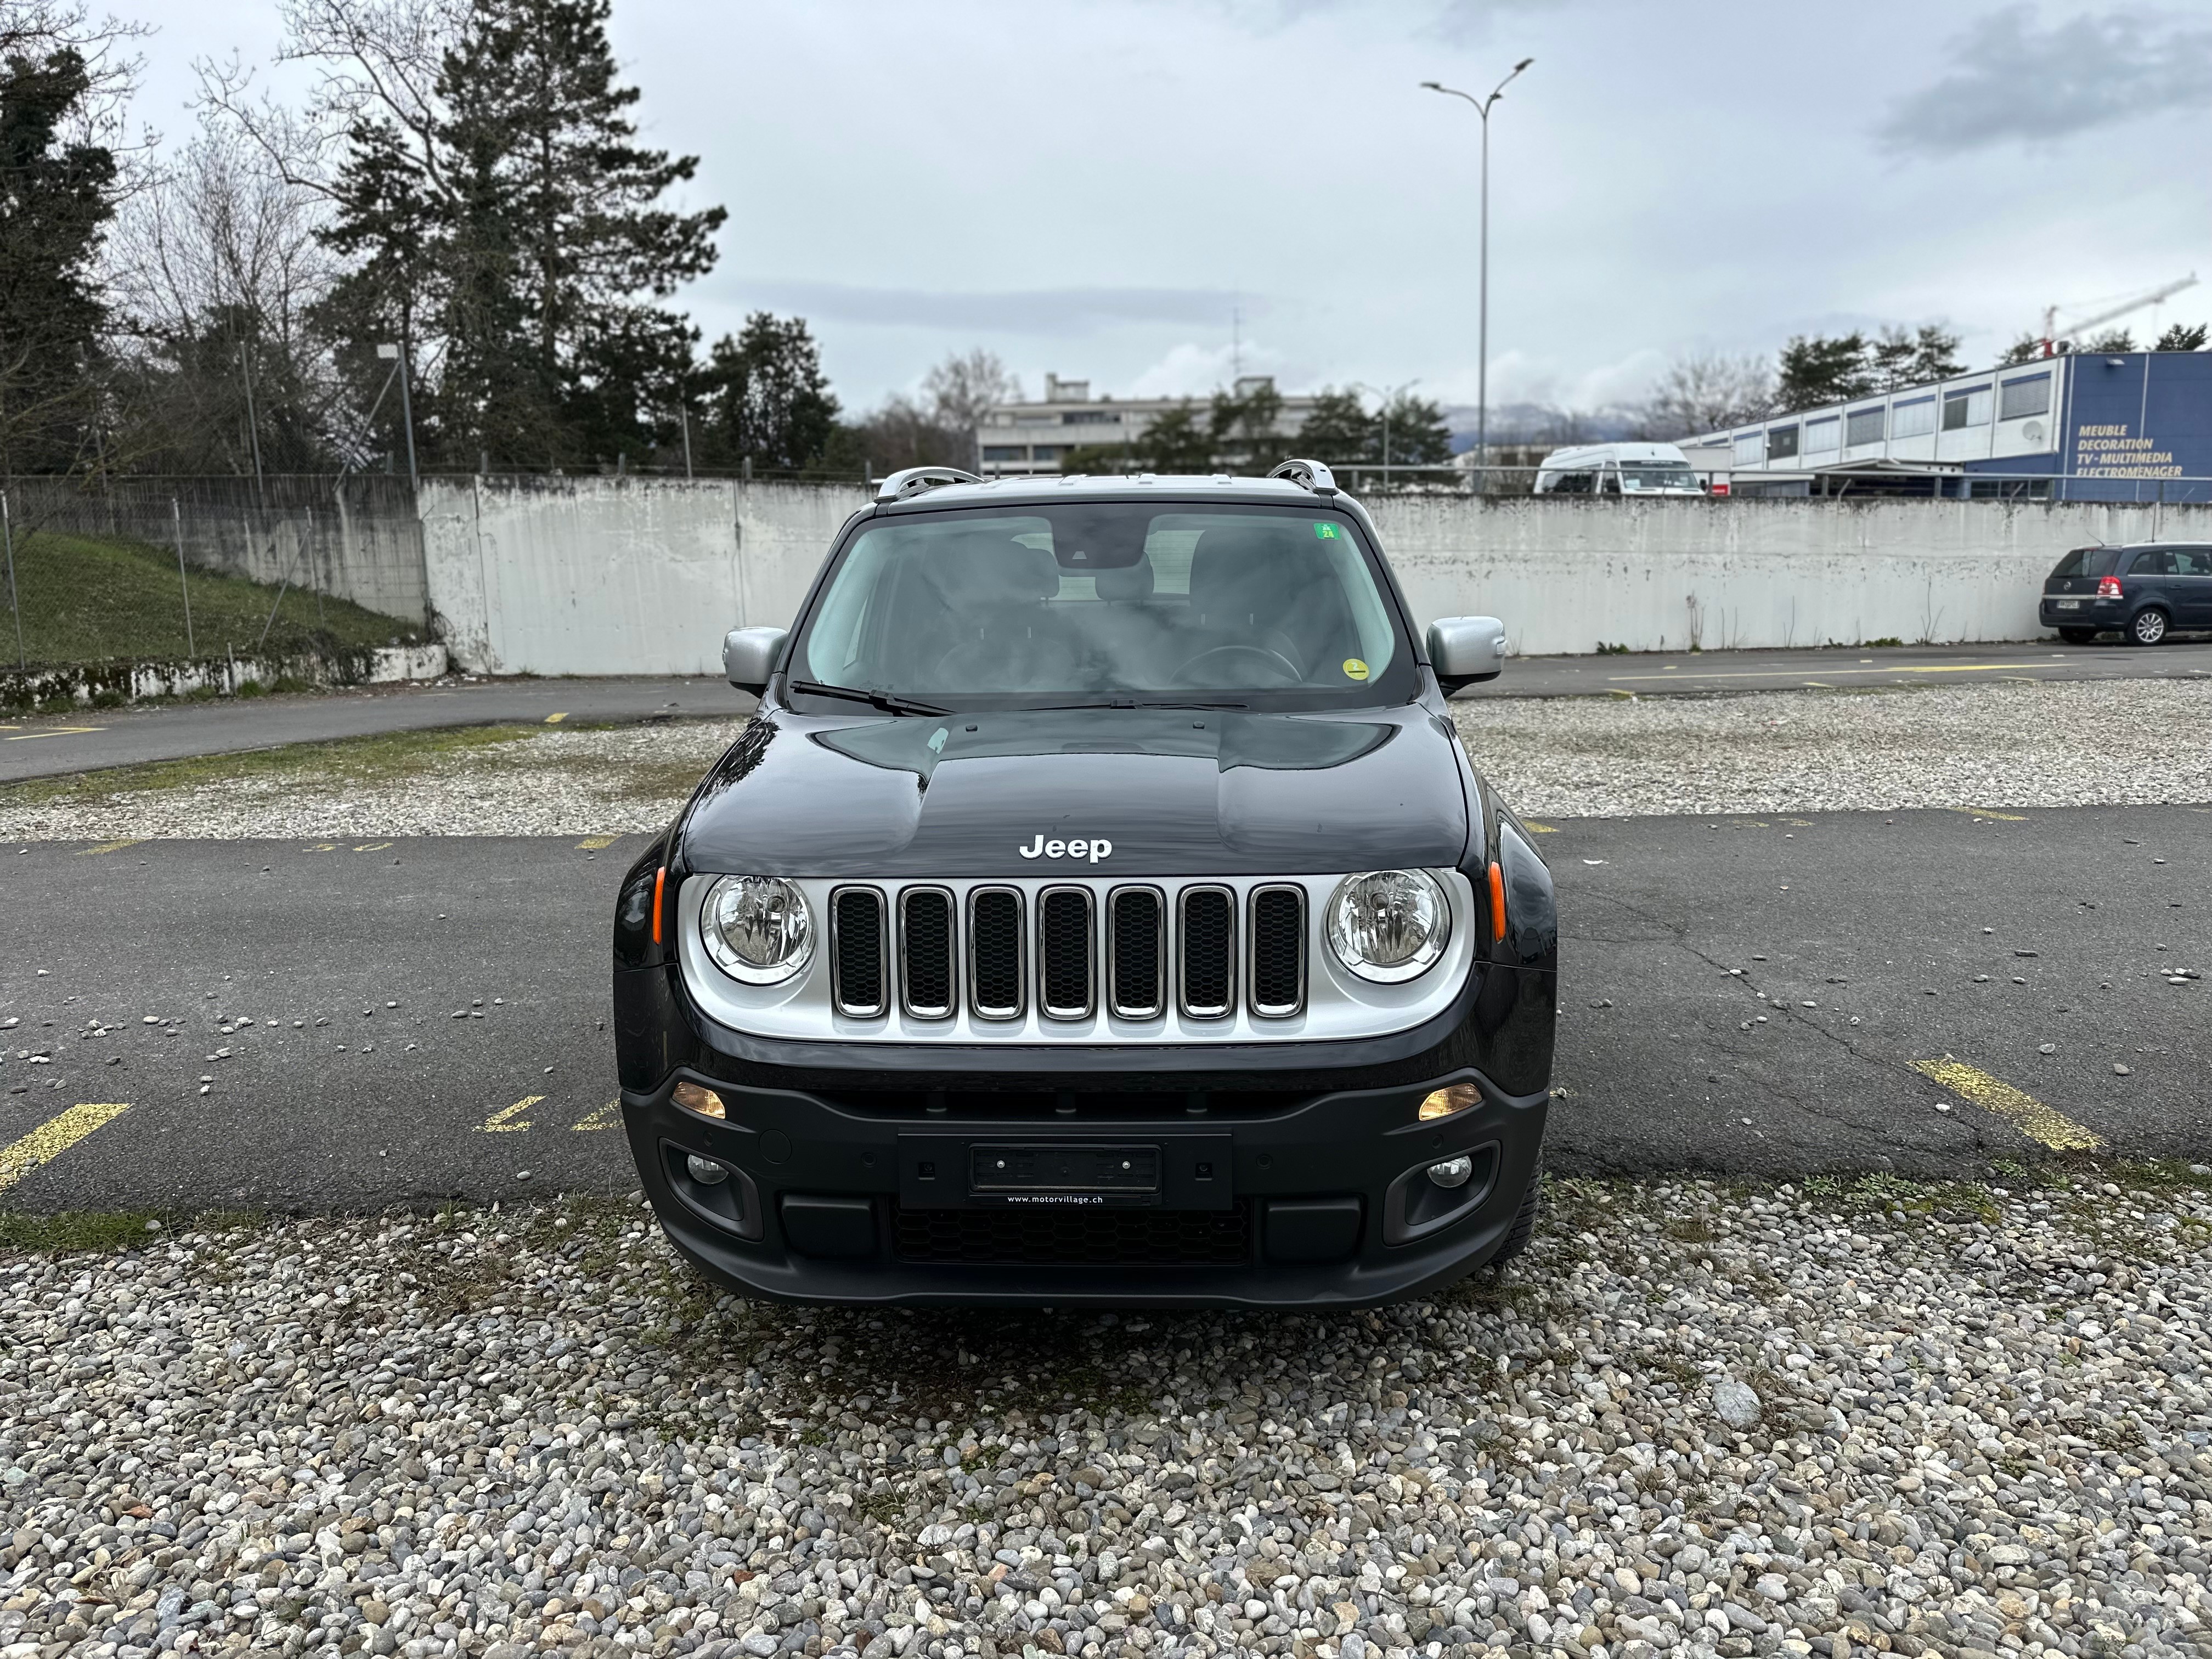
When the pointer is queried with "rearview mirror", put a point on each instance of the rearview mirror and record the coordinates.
(750, 656)
(1466, 650)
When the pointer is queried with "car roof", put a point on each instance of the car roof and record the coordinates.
(1040, 488)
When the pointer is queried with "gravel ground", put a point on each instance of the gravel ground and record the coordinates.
(2097, 743)
(1949, 1421)
(551, 783)
(2093, 743)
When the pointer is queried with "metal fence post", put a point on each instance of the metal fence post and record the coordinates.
(177, 528)
(8, 533)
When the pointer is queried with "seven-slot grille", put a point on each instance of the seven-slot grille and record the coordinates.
(1125, 957)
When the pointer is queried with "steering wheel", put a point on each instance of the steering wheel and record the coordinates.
(1266, 661)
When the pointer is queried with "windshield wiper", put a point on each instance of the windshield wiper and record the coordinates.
(883, 699)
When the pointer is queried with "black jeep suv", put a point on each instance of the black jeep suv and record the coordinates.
(1099, 909)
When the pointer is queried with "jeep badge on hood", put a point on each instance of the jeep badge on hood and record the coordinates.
(1040, 847)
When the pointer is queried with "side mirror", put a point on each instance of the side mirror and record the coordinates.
(750, 656)
(1465, 650)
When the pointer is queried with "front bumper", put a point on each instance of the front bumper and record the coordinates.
(1325, 1203)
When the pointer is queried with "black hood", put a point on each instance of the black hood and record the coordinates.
(1174, 792)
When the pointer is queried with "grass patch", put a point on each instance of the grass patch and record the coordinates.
(88, 599)
(77, 1232)
(382, 758)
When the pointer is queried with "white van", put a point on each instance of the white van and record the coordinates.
(1618, 469)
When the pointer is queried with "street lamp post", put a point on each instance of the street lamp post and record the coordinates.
(1482, 107)
(392, 353)
(1385, 395)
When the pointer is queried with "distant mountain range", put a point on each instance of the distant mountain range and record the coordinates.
(1532, 423)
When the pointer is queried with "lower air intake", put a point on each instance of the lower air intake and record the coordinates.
(1133, 1238)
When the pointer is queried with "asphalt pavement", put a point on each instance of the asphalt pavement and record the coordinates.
(93, 739)
(1777, 995)
(47, 746)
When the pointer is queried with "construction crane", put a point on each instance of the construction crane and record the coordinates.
(2112, 313)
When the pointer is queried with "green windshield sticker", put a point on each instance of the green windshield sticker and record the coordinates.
(1325, 530)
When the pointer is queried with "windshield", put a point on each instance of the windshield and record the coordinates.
(1115, 601)
(1657, 475)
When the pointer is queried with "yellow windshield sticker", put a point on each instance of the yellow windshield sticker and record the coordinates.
(1324, 530)
(1354, 669)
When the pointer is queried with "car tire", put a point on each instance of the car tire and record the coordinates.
(2149, 626)
(1524, 1220)
(2077, 635)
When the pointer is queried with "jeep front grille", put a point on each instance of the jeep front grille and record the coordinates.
(857, 956)
(1064, 953)
(926, 955)
(1137, 952)
(995, 957)
(1077, 959)
(1209, 952)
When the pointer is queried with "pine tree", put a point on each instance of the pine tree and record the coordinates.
(767, 401)
(1337, 429)
(56, 199)
(516, 233)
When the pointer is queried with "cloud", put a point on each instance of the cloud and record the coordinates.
(2023, 80)
(1190, 370)
(1063, 312)
(1458, 22)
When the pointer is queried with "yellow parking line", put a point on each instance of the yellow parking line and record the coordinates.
(53, 1138)
(1541, 828)
(502, 1122)
(54, 732)
(554, 720)
(109, 846)
(605, 1118)
(1796, 673)
(593, 843)
(2038, 1122)
(1984, 813)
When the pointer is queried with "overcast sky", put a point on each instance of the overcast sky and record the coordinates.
(1092, 187)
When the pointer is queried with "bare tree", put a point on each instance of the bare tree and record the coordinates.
(961, 390)
(1706, 391)
(218, 265)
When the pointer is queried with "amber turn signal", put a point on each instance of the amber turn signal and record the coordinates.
(1453, 1098)
(659, 886)
(1496, 903)
(692, 1097)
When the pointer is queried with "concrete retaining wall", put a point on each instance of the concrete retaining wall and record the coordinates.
(1663, 576)
(645, 575)
(617, 576)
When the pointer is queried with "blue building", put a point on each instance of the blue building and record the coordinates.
(2092, 426)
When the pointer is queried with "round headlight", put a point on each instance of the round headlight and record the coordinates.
(1389, 926)
(757, 928)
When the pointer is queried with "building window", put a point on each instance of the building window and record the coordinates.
(1751, 449)
(2028, 395)
(1862, 425)
(1048, 451)
(1005, 452)
(1781, 442)
(1968, 406)
(1916, 419)
(1821, 433)
(1089, 418)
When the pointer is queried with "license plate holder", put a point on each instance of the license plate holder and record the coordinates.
(1175, 1170)
(2069, 605)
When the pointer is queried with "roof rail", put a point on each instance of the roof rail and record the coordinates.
(912, 481)
(1308, 475)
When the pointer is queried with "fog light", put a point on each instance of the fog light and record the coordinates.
(1442, 1102)
(1452, 1172)
(705, 1102)
(708, 1173)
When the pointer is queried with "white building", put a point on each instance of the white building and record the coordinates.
(1034, 437)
